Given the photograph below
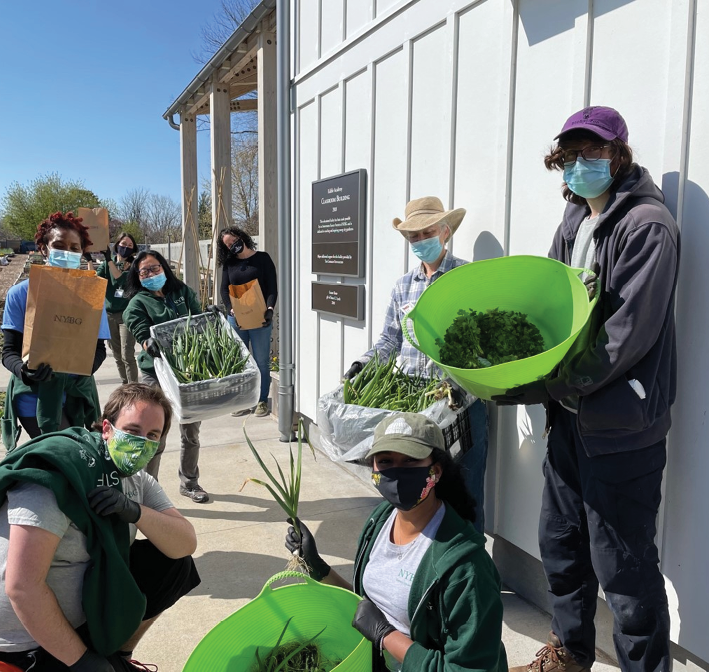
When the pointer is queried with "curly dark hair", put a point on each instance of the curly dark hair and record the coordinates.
(133, 286)
(223, 253)
(451, 486)
(621, 160)
(59, 220)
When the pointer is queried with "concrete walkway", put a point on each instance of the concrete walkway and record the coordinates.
(241, 534)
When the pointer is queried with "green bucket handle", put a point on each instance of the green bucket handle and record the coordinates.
(405, 328)
(588, 271)
(289, 574)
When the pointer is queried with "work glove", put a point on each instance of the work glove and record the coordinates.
(107, 501)
(305, 547)
(527, 395)
(87, 257)
(214, 309)
(107, 254)
(372, 623)
(152, 348)
(38, 375)
(267, 318)
(591, 283)
(353, 370)
(91, 662)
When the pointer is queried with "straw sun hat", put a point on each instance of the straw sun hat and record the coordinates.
(425, 212)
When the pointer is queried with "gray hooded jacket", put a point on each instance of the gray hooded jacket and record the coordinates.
(631, 332)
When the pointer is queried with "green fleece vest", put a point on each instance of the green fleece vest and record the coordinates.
(455, 603)
(71, 463)
(82, 406)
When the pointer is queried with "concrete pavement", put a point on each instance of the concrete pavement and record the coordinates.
(241, 534)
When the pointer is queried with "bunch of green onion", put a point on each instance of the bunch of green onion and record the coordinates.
(202, 355)
(386, 386)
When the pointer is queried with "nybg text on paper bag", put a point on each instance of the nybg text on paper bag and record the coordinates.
(96, 219)
(62, 318)
(248, 304)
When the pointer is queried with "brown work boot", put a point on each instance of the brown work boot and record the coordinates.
(552, 658)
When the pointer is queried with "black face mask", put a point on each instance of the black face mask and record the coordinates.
(404, 487)
(124, 251)
(237, 247)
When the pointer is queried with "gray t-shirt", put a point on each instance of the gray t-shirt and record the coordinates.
(391, 570)
(584, 252)
(36, 506)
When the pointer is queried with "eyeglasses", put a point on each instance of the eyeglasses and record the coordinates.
(149, 270)
(592, 153)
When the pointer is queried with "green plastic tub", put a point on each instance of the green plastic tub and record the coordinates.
(231, 645)
(549, 292)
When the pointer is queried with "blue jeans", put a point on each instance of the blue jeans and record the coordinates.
(474, 461)
(260, 341)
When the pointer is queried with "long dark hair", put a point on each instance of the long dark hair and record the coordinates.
(133, 286)
(223, 253)
(120, 237)
(451, 486)
(621, 160)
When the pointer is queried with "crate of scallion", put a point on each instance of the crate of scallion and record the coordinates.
(347, 416)
(205, 369)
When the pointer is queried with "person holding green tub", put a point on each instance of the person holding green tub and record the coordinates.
(431, 592)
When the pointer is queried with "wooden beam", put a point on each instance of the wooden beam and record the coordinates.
(242, 88)
(267, 154)
(190, 196)
(238, 63)
(244, 105)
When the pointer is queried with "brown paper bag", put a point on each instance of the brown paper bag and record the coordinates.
(248, 304)
(62, 318)
(97, 221)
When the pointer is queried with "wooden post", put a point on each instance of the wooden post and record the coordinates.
(188, 158)
(268, 157)
(220, 125)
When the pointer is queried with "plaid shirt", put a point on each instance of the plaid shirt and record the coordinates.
(406, 293)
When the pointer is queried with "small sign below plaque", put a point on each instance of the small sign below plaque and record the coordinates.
(338, 299)
(339, 224)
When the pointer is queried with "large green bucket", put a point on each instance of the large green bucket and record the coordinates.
(231, 645)
(550, 293)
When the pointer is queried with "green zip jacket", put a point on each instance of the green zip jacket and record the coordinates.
(114, 304)
(82, 405)
(145, 309)
(455, 606)
(71, 463)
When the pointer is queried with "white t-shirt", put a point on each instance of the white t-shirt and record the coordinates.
(391, 569)
(36, 506)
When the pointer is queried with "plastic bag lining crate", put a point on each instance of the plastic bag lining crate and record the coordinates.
(207, 398)
(459, 431)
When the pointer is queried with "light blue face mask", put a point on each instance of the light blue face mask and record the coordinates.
(427, 250)
(588, 179)
(64, 259)
(154, 283)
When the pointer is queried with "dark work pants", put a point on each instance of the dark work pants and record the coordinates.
(598, 525)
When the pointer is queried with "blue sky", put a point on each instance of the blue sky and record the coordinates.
(84, 86)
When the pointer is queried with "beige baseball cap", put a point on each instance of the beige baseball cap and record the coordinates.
(411, 434)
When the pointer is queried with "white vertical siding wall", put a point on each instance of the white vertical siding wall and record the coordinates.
(461, 99)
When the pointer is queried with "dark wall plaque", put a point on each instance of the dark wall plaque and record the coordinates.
(338, 299)
(339, 224)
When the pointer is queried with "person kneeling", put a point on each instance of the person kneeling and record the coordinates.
(77, 592)
(431, 592)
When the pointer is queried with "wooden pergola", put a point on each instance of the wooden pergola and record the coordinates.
(245, 63)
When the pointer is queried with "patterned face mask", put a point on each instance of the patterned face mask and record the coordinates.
(130, 453)
(405, 487)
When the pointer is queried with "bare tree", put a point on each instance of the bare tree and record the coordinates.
(244, 183)
(164, 219)
(225, 21)
(133, 207)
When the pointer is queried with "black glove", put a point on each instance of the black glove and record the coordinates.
(107, 254)
(214, 309)
(305, 547)
(87, 256)
(528, 395)
(107, 501)
(353, 370)
(91, 662)
(38, 375)
(152, 348)
(267, 317)
(591, 283)
(372, 623)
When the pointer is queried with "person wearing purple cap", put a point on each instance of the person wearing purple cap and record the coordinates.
(608, 404)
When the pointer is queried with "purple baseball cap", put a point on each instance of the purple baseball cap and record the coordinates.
(603, 121)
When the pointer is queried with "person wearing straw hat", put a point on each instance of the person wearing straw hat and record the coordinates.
(428, 227)
(431, 592)
(608, 405)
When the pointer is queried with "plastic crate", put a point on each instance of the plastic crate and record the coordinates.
(207, 398)
(457, 435)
